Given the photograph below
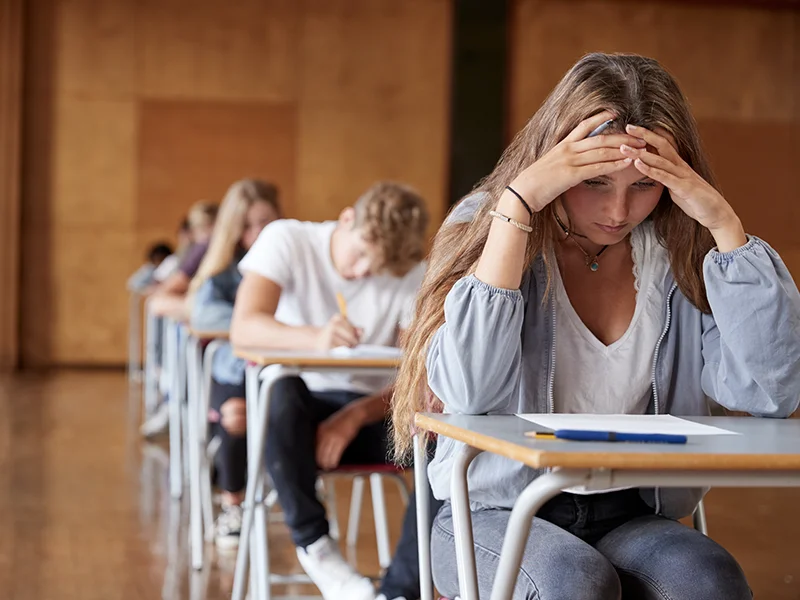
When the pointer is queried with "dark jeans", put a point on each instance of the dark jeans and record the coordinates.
(595, 547)
(294, 415)
(231, 458)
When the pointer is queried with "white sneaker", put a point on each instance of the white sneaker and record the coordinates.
(158, 423)
(383, 597)
(228, 527)
(335, 578)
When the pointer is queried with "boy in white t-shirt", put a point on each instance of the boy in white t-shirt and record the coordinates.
(372, 256)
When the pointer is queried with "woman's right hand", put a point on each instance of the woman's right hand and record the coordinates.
(573, 160)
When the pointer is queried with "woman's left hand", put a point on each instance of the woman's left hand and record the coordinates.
(693, 194)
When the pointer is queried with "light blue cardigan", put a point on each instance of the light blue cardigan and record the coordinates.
(495, 355)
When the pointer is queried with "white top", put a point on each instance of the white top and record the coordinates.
(591, 377)
(167, 267)
(297, 256)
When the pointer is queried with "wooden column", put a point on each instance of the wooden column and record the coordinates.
(11, 24)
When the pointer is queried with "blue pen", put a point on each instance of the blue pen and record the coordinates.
(577, 435)
(601, 128)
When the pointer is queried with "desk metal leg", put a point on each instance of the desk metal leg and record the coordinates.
(171, 354)
(150, 362)
(260, 557)
(257, 434)
(202, 425)
(699, 519)
(193, 385)
(542, 489)
(421, 491)
(462, 524)
(183, 339)
(134, 337)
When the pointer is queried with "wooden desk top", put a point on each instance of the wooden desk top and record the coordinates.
(204, 334)
(765, 445)
(310, 359)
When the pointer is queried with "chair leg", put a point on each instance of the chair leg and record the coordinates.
(402, 488)
(329, 493)
(356, 500)
(381, 524)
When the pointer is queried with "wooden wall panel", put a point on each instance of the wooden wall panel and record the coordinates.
(95, 156)
(373, 101)
(237, 50)
(88, 284)
(738, 65)
(732, 62)
(758, 183)
(193, 151)
(138, 108)
(11, 62)
(95, 42)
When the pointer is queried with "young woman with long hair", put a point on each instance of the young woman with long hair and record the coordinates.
(600, 271)
(248, 207)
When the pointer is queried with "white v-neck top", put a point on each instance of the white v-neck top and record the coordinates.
(591, 377)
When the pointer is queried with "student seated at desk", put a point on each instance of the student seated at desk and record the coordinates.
(248, 207)
(169, 299)
(600, 274)
(145, 276)
(288, 301)
(169, 296)
(171, 264)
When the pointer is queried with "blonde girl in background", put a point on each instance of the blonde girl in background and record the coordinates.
(248, 207)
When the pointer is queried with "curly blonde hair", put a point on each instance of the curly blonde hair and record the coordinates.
(394, 218)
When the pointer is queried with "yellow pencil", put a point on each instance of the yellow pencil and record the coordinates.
(342, 304)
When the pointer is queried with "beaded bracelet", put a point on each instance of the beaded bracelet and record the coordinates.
(514, 222)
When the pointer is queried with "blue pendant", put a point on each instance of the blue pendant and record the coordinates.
(594, 266)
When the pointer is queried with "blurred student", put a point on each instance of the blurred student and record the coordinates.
(172, 262)
(169, 299)
(144, 276)
(292, 275)
(248, 207)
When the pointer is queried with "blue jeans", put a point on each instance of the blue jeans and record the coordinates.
(595, 547)
(294, 415)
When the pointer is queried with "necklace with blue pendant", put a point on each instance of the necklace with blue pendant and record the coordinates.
(591, 261)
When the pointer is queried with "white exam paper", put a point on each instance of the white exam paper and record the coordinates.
(367, 351)
(625, 424)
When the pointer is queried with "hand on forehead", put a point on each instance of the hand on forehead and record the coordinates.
(659, 140)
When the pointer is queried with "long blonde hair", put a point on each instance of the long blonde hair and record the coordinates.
(638, 91)
(229, 226)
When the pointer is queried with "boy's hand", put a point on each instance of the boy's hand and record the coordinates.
(335, 434)
(338, 332)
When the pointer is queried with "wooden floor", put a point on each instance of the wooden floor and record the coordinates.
(85, 513)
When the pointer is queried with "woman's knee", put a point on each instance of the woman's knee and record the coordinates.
(549, 571)
(702, 570)
(661, 559)
(233, 416)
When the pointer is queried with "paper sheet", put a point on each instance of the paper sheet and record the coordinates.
(625, 424)
(367, 351)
